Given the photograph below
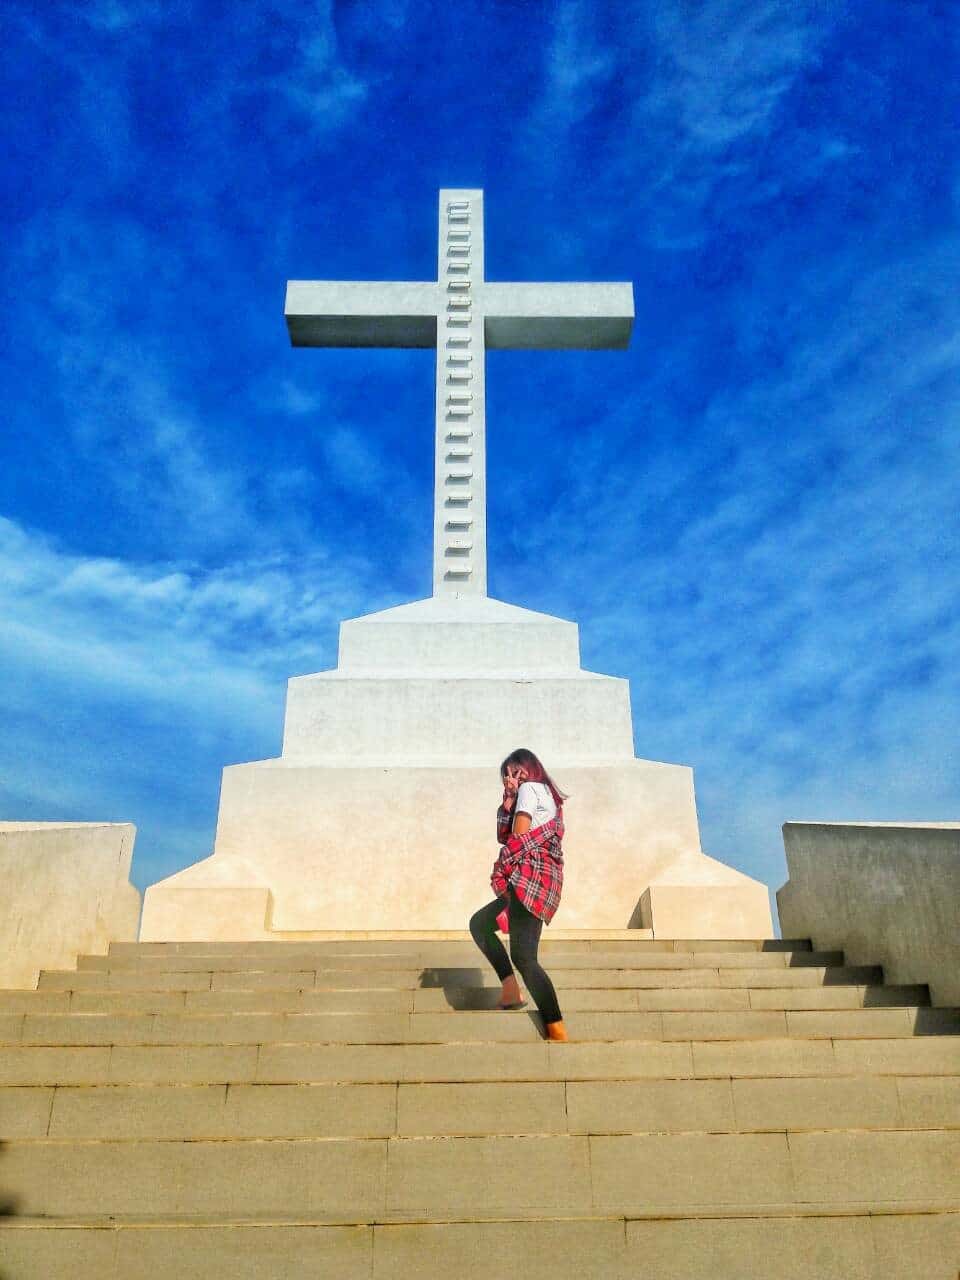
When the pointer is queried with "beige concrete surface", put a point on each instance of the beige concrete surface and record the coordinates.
(855, 1246)
(876, 1166)
(436, 1028)
(642, 1106)
(931, 1102)
(19, 1001)
(470, 958)
(409, 730)
(836, 997)
(547, 1174)
(857, 1102)
(763, 1058)
(125, 1001)
(629, 822)
(245, 1252)
(640, 1172)
(443, 999)
(66, 890)
(106, 1112)
(678, 910)
(57, 1253)
(916, 1247)
(825, 1138)
(25, 1112)
(928, 1055)
(742, 1248)
(182, 1064)
(887, 893)
(179, 1179)
(551, 1250)
(55, 1065)
(481, 1109)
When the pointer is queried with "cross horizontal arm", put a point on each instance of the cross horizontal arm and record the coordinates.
(558, 315)
(362, 313)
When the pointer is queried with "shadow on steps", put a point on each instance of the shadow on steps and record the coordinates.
(462, 988)
(8, 1208)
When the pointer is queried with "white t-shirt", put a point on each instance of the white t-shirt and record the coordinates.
(536, 799)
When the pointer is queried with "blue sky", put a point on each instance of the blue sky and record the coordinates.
(752, 513)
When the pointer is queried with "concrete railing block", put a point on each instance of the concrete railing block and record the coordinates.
(887, 893)
(66, 890)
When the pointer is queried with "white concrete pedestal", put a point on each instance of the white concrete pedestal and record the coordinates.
(379, 814)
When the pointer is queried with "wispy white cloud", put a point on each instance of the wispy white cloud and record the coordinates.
(357, 466)
(294, 56)
(692, 87)
(356, 460)
(291, 53)
(120, 15)
(290, 398)
(142, 427)
(723, 67)
(781, 586)
(126, 687)
(317, 80)
(169, 627)
(578, 68)
(755, 511)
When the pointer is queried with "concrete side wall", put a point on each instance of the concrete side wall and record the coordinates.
(885, 893)
(66, 890)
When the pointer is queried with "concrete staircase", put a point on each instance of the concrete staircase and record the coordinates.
(357, 1108)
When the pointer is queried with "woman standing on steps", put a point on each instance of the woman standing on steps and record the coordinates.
(527, 879)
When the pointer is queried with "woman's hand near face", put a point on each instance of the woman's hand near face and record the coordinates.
(511, 783)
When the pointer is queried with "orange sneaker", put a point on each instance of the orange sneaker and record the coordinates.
(556, 1031)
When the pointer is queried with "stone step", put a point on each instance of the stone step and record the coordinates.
(621, 1174)
(464, 1024)
(344, 979)
(477, 1061)
(919, 1241)
(435, 999)
(409, 1109)
(558, 960)
(418, 942)
(735, 1109)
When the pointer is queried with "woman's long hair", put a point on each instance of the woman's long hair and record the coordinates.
(535, 772)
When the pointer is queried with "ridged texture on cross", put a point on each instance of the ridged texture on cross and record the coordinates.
(460, 507)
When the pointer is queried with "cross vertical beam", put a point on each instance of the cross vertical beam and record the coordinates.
(460, 472)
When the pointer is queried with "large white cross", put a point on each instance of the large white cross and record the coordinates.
(461, 314)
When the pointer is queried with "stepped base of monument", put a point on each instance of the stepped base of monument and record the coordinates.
(209, 913)
(317, 849)
(401, 935)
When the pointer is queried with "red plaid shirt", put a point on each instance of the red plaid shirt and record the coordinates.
(532, 864)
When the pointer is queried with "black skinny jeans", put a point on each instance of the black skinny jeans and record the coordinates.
(525, 930)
